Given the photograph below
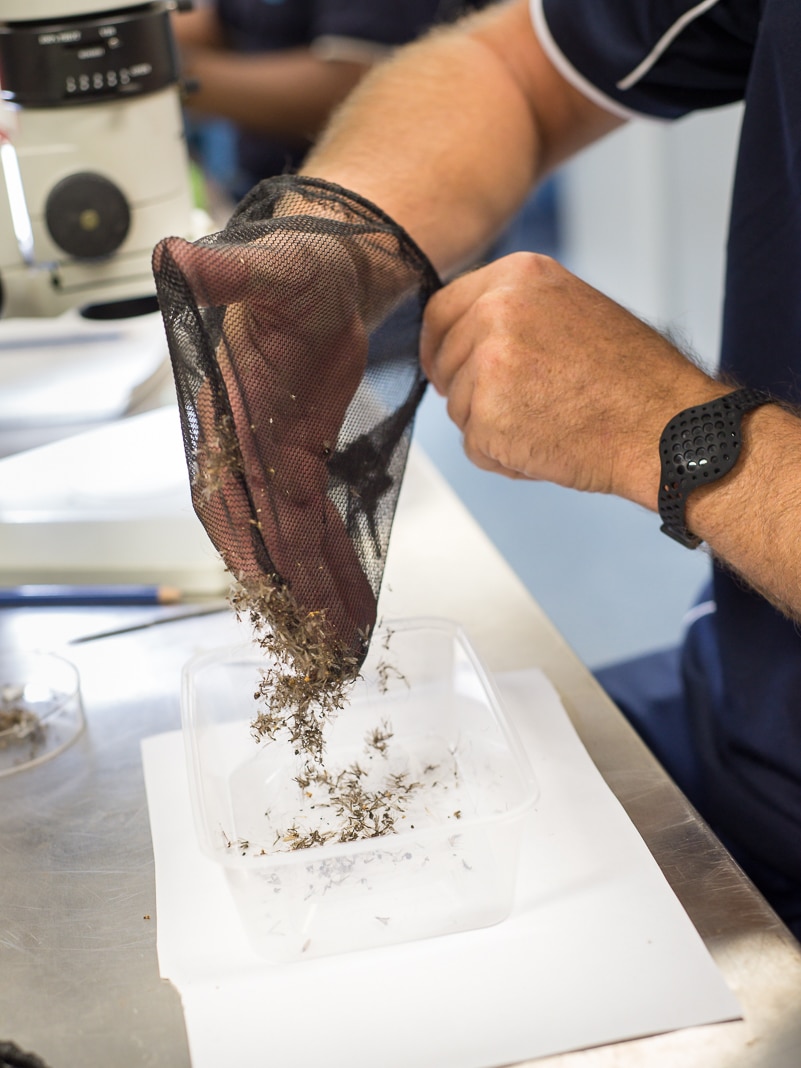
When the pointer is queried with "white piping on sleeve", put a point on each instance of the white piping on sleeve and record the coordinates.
(664, 43)
(575, 77)
(349, 49)
(705, 608)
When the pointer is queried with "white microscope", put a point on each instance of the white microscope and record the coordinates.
(94, 171)
(93, 162)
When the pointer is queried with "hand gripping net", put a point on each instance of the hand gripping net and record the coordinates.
(293, 335)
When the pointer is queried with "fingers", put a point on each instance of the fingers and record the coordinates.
(481, 459)
(477, 350)
(444, 310)
(340, 585)
(459, 339)
(294, 278)
(215, 275)
(262, 482)
(306, 542)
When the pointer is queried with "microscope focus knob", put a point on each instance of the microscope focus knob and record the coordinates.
(87, 215)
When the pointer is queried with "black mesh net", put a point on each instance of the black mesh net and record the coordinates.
(293, 335)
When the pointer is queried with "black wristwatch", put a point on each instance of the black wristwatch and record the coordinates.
(699, 446)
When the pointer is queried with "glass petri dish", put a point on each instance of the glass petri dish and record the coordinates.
(41, 712)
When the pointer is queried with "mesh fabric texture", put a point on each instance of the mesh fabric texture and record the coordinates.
(293, 335)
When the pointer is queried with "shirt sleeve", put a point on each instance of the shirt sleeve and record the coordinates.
(663, 58)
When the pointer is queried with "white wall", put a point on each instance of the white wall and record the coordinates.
(646, 213)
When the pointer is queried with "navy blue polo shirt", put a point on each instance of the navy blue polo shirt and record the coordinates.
(741, 663)
(355, 27)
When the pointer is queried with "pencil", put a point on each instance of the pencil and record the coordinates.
(70, 596)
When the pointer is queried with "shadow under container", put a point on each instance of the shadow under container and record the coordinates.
(422, 737)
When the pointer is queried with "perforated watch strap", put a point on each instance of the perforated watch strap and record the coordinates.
(699, 446)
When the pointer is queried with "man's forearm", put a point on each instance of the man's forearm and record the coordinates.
(446, 136)
(750, 519)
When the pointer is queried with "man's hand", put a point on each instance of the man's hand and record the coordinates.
(549, 379)
(291, 357)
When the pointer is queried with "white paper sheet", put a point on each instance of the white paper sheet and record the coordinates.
(597, 949)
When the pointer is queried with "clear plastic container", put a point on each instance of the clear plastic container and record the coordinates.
(40, 708)
(422, 743)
